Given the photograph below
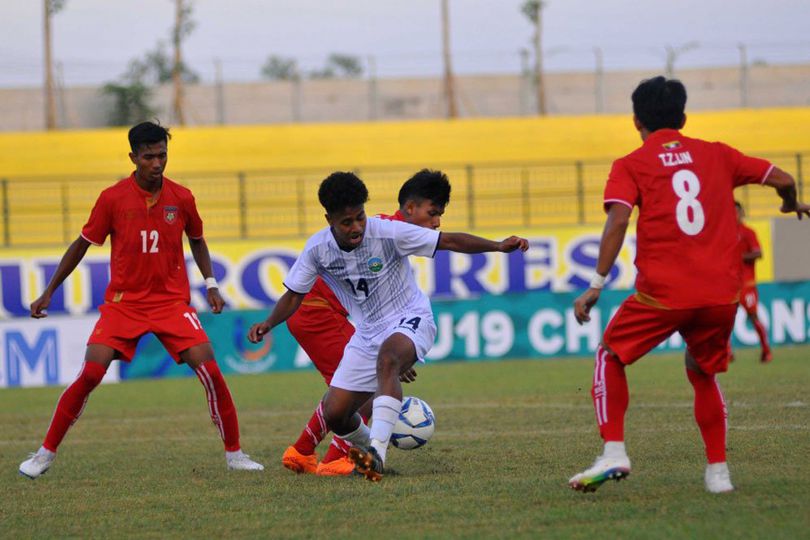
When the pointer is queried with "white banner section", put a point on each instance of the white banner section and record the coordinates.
(45, 352)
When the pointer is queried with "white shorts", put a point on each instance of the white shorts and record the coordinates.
(357, 371)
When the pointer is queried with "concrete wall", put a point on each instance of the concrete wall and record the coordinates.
(791, 259)
(407, 99)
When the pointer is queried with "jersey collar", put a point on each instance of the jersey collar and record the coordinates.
(151, 200)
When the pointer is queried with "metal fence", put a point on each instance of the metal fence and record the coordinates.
(274, 204)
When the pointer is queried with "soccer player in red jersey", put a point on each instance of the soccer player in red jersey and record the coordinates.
(689, 274)
(322, 328)
(145, 217)
(749, 297)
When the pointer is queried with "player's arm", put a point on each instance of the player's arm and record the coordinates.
(283, 310)
(72, 257)
(468, 243)
(785, 186)
(199, 250)
(609, 247)
(752, 256)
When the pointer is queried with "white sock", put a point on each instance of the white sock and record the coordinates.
(229, 455)
(384, 415)
(615, 449)
(358, 437)
(45, 452)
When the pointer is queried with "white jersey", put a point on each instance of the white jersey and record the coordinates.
(374, 281)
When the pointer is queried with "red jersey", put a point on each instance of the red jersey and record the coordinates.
(748, 243)
(147, 264)
(687, 251)
(321, 296)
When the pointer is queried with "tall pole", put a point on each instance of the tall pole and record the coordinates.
(599, 82)
(540, 80)
(743, 74)
(372, 88)
(449, 84)
(177, 79)
(50, 98)
(525, 82)
(220, 91)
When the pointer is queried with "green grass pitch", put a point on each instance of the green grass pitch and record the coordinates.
(145, 461)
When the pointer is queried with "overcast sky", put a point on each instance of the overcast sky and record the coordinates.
(95, 39)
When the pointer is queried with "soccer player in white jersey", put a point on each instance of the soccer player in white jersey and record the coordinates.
(365, 262)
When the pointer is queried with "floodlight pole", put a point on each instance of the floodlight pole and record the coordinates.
(449, 83)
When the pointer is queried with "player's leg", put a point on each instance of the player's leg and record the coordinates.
(633, 332)
(706, 336)
(354, 382)
(336, 461)
(178, 328)
(221, 407)
(749, 298)
(323, 334)
(408, 341)
(69, 408)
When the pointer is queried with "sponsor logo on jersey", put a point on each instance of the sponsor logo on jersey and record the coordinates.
(375, 264)
(170, 214)
(672, 145)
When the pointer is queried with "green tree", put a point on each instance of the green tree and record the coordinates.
(339, 66)
(279, 68)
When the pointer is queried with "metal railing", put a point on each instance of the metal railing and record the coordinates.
(274, 204)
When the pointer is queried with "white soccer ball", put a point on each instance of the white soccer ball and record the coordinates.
(415, 425)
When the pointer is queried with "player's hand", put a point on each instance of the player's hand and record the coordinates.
(258, 331)
(408, 376)
(513, 243)
(583, 304)
(801, 210)
(39, 307)
(215, 300)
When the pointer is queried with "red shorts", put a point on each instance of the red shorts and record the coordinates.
(749, 299)
(637, 328)
(121, 326)
(323, 334)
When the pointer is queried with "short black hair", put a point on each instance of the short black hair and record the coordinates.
(426, 184)
(147, 133)
(341, 190)
(739, 206)
(659, 103)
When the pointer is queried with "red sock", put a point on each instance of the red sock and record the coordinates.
(71, 403)
(313, 433)
(220, 404)
(337, 449)
(762, 333)
(710, 414)
(610, 395)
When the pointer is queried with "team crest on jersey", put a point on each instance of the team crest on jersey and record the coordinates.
(673, 145)
(170, 214)
(375, 264)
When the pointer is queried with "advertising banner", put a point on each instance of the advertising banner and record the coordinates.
(532, 325)
(45, 352)
(251, 273)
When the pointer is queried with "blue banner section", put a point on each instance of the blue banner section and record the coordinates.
(535, 324)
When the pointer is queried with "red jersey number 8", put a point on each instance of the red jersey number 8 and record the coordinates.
(687, 186)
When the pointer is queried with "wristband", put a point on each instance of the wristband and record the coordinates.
(211, 283)
(597, 281)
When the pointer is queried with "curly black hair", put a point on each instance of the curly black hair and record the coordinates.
(341, 190)
(426, 184)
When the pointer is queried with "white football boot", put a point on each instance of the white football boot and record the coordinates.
(239, 461)
(37, 464)
(608, 466)
(718, 479)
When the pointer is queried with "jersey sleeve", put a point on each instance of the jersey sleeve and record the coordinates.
(620, 187)
(301, 277)
(99, 225)
(745, 169)
(751, 240)
(413, 240)
(194, 224)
